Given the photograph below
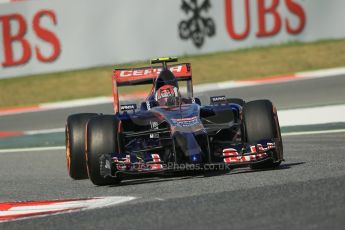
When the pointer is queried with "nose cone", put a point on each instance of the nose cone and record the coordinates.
(192, 146)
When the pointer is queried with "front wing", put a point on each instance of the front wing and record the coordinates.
(242, 154)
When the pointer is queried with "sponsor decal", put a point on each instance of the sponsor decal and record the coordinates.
(10, 211)
(197, 26)
(264, 10)
(218, 99)
(18, 36)
(154, 135)
(148, 71)
(186, 122)
(154, 124)
(128, 107)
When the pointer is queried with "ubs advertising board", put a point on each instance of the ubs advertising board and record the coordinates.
(41, 36)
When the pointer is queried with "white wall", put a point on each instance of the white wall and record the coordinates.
(91, 33)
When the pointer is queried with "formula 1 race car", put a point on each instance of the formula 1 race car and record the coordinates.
(169, 132)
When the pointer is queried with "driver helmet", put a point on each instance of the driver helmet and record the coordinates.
(167, 95)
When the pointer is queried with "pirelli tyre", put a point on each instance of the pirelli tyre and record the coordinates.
(261, 122)
(75, 145)
(101, 138)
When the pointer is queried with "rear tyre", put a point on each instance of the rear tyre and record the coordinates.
(261, 122)
(75, 145)
(101, 139)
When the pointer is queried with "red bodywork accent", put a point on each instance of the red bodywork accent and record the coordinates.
(156, 158)
(232, 156)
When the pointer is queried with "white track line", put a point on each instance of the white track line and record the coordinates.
(44, 131)
(313, 132)
(34, 149)
(322, 73)
(312, 116)
(77, 103)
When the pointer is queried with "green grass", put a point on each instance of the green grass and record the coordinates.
(241, 64)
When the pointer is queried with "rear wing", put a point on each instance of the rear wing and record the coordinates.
(148, 75)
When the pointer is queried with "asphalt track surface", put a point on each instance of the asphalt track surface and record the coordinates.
(306, 192)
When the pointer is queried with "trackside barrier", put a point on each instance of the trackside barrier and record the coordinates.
(41, 36)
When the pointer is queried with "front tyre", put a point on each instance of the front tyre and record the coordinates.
(260, 123)
(75, 144)
(101, 138)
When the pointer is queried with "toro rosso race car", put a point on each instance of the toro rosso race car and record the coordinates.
(168, 132)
